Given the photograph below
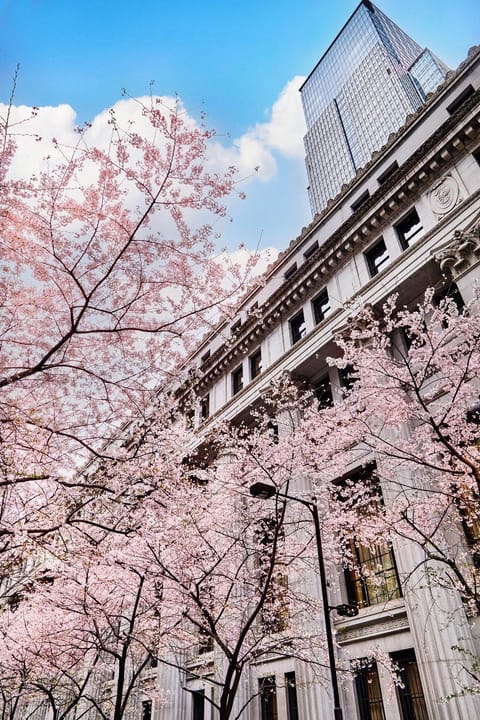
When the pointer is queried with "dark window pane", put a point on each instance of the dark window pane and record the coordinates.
(292, 703)
(376, 257)
(310, 251)
(369, 696)
(205, 407)
(321, 306)
(291, 271)
(237, 380)
(298, 329)
(268, 697)
(147, 710)
(323, 391)
(256, 364)
(198, 704)
(410, 693)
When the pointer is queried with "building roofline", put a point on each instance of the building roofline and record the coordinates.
(369, 5)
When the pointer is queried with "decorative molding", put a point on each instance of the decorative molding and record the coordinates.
(374, 629)
(462, 252)
(444, 195)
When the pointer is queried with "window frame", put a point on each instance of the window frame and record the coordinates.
(237, 380)
(297, 331)
(405, 240)
(255, 367)
(319, 314)
(373, 266)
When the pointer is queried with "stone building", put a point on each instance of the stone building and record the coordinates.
(410, 219)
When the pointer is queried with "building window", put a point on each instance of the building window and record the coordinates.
(298, 329)
(147, 710)
(310, 251)
(476, 155)
(274, 613)
(255, 364)
(291, 691)
(367, 688)
(388, 172)
(205, 642)
(360, 201)
(198, 705)
(323, 392)
(460, 99)
(205, 357)
(450, 292)
(410, 694)
(321, 306)
(267, 690)
(408, 229)
(237, 380)
(376, 257)
(372, 577)
(205, 407)
(291, 271)
(347, 377)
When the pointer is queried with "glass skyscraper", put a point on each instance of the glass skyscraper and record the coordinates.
(367, 82)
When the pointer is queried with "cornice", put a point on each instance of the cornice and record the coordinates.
(395, 195)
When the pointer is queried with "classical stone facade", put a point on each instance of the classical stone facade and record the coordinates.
(415, 223)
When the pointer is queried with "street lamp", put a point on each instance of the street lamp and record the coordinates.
(264, 491)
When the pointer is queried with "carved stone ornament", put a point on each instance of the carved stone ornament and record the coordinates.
(444, 195)
(462, 252)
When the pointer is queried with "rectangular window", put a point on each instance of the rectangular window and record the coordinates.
(347, 377)
(198, 705)
(321, 306)
(298, 329)
(310, 251)
(410, 694)
(236, 326)
(408, 229)
(387, 173)
(460, 99)
(205, 356)
(291, 271)
(371, 576)
(255, 364)
(267, 689)
(274, 613)
(147, 710)
(291, 691)
(367, 688)
(360, 200)
(372, 579)
(237, 380)
(476, 155)
(323, 392)
(376, 257)
(205, 407)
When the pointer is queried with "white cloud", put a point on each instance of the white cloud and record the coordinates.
(253, 153)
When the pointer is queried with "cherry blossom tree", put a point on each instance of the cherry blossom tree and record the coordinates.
(107, 276)
(399, 458)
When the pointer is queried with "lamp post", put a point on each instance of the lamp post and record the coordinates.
(264, 491)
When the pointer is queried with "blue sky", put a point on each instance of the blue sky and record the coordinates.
(230, 59)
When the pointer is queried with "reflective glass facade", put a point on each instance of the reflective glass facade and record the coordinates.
(368, 81)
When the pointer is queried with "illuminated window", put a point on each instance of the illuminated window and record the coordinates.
(367, 687)
(410, 693)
